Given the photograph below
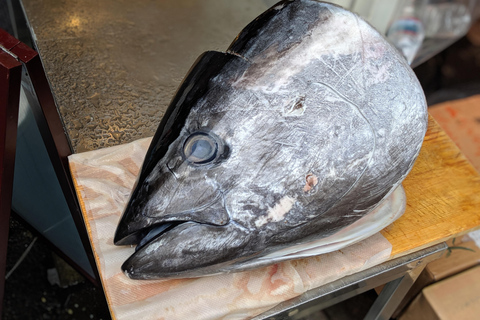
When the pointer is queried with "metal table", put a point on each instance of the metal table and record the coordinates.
(114, 65)
(398, 275)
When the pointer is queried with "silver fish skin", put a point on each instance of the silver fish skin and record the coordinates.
(304, 125)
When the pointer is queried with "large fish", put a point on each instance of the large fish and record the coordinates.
(303, 126)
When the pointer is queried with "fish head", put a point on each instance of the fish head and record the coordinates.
(242, 168)
(263, 147)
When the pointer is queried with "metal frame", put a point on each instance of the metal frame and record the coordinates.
(53, 135)
(398, 275)
(10, 79)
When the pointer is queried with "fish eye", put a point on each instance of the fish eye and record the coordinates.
(201, 147)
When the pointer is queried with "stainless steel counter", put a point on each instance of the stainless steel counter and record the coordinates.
(114, 65)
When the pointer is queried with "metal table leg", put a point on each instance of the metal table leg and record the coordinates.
(51, 128)
(394, 292)
(398, 275)
(10, 77)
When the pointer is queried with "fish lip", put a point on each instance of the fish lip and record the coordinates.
(133, 233)
(148, 238)
(124, 236)
(131, 226)
(140, 234)
(143, 264)
(129, 265)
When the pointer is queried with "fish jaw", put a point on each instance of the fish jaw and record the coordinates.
(140, 215)
(190, 249)
(153, 203)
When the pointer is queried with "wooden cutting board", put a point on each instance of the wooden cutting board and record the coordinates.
(443, 196)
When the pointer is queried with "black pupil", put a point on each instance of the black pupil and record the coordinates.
(200, 148)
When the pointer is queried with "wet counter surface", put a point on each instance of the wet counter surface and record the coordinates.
(114, 65)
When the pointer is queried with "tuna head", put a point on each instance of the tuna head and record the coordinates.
(302, 127)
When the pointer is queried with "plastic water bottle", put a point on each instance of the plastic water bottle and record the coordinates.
(407, 35)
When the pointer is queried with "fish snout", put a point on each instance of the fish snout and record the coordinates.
(165, 198)
(138, 221)
(188, 249)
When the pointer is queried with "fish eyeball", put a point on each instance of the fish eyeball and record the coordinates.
(201, 148)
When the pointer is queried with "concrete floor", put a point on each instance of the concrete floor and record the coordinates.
(29, 294)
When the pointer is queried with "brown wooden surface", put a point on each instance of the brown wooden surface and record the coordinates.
(443, 196)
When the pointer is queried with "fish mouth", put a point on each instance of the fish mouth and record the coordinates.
(149, 234)
(136, 227)
(187, 249)
(146, 237)
(172, 243)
